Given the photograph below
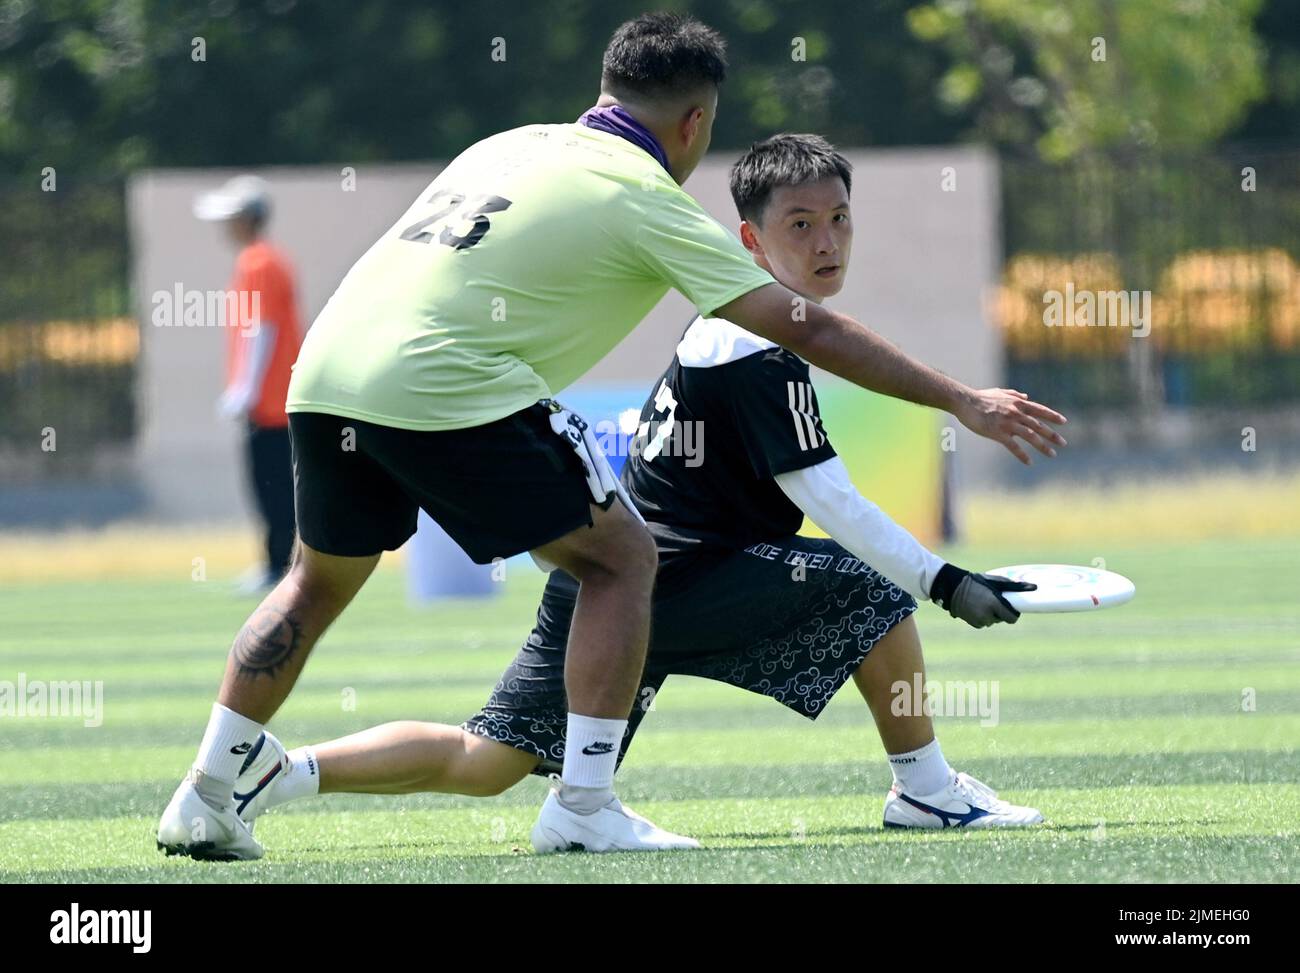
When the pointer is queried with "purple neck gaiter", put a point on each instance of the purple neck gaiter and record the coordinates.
(616, 120)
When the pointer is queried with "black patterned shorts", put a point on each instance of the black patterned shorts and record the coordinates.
(792, 619)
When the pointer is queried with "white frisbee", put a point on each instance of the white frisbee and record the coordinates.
(1065, 588)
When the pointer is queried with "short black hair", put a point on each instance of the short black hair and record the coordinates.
(783, 160)
(663, 55)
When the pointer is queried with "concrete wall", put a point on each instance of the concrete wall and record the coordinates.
(922, 263)
(188, 456)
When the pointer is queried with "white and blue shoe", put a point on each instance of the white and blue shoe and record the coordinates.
(199, 824)
(609, 828)
(263, 768)
(964, 803)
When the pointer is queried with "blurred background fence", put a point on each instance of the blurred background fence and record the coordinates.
(69, 341)
(69, 356)
(1220, 258)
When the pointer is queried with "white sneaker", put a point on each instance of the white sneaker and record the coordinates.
(193, 827)
(263, 768)
(610, 828)
(964, 803)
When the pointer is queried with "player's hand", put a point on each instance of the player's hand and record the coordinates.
(976, 598)
(1005, 415)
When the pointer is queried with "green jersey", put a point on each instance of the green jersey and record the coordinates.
(529, 257)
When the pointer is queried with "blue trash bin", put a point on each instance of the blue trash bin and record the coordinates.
(437, 568)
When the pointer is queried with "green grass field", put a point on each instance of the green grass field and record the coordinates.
(1125, 727)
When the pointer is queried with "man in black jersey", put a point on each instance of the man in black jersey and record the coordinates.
(740, 597)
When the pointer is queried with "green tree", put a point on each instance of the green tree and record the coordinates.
(101, 87)
(1095, 75)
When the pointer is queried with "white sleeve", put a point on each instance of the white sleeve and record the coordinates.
(260, 358)
(829, 499)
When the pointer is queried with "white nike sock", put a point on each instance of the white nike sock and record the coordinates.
(226, 743)
(591, 755)
(302, 779)
(922, 771)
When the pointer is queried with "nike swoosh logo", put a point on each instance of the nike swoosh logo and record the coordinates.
(598, 748)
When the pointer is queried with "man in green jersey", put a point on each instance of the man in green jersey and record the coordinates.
(426, 382)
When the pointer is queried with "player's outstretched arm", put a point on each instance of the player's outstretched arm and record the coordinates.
(845, 347)
(829, 499)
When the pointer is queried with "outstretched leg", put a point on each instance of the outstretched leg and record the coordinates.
(408, 757)
(529, 704)
(403, 757)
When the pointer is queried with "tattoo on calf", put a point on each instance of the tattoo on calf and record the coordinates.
(266, 642)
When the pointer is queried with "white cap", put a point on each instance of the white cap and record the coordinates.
(240, 196)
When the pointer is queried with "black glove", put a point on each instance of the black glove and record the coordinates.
(975, 598)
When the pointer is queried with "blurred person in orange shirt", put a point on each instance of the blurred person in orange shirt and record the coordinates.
(262, 339)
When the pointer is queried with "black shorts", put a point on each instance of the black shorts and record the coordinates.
(748, 618)
(499, 489)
